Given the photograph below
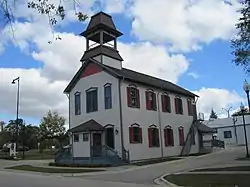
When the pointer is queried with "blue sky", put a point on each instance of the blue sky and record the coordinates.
(211, 66)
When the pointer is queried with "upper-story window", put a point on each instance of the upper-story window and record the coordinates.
(153, 136)
(107, 96)
(150, 100)
(135, 134)
(190, 107)
(133, 96)
(91, 100)
(166, 103)
(77, 103)
(178, 105)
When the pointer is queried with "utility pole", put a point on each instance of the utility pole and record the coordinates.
(228, 111)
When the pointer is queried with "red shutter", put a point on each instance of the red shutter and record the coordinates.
(189, 107)
(147, 100)
(176, 105)
(140, 134)
(172, 137)
(149, 137)
(163, 101)
(166, 137)
(138, 98)
(129, 97)
(168, 103)
(131, 137)
(181, 136)
(154, 101)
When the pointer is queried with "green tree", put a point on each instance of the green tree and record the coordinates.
(241, 43)
(52, 126)
(54, 11)
(213, 114)
(240, 113)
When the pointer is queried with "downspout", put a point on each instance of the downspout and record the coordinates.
(160, 125)
(121, 117)
(68, 96)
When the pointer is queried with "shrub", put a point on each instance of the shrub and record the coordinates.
(79, 165)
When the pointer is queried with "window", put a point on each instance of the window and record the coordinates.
(151, 100)
(178, 106)
(85, 137)
(166, 105)
(133, 97)
(227, 134)
(181, 136)
(91, 100)
(153, 136)
(135, 134)
(77, 103)
(169, 136)
(107, 96)
(76, 137)
(190, 107)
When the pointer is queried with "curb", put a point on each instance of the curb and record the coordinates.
(167, 182)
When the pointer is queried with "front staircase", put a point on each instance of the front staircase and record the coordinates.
(108, 156)
(190, 139)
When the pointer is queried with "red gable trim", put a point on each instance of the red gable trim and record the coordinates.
(90, 70)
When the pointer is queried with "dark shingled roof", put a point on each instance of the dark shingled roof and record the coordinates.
(108, 51)
(133, 76)
(90, 125)
(205, 129)
(101, 20)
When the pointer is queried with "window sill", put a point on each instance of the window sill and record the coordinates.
(169, 146)
(134, 107)
(155, 147)
(136, 143)
(152, 109)
(92, 111)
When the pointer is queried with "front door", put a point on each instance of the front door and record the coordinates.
(109, 136)
(97, 144)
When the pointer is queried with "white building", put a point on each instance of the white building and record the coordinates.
(231, 130)
(122, 113)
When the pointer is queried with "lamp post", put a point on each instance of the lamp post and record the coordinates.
(228, 111)
(17, 103)
(246, 88)
(242, 108)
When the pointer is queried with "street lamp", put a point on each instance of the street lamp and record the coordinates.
(228, 111)
(246, 88)
(242, 108)
(17, 103)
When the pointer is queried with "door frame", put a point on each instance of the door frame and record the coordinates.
(92, 143)
(110, 126)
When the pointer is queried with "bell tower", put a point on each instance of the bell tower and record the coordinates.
(101, 41)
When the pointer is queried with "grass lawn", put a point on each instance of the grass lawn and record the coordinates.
(210, 180)
(155, 161)
(36, 155)
(236, 168)
(51, 170)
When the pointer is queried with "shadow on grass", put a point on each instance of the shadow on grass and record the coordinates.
(51, 170)
(236, 168)
(155, 161)
(210, 180)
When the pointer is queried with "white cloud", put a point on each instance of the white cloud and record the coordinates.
(41, 89)
(194, 75)
(184, 24)
(217, 99)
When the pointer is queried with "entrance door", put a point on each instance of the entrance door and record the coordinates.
(97, 144)
(109, 135)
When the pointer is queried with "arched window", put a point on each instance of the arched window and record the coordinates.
(77, 103)
(181, 135)
(107, 96)
(168, 136)
(135, 134)
(178, 105)
(150, 99)
(153, 136)
(133, 96)
(166, 103)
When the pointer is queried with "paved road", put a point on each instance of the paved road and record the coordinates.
(145, 175)
(133, 177)
(8, 179)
